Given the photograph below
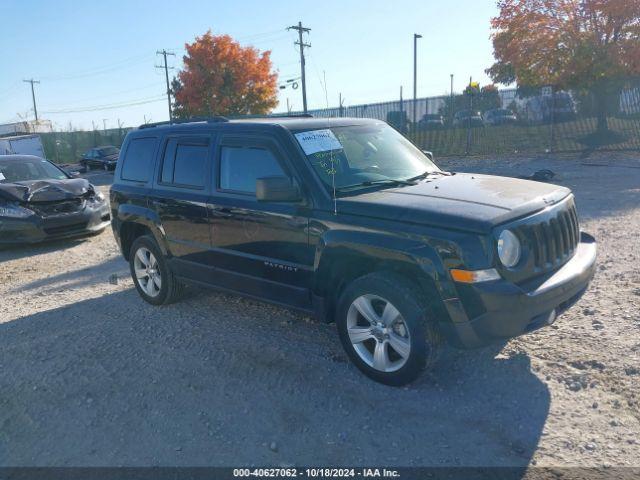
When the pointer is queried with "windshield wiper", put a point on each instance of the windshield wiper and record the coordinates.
(429, 173)
(369, 183)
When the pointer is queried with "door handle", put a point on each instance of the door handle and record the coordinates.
(223, 212)
(159, 202)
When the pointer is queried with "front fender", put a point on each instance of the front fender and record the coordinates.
(350, 253)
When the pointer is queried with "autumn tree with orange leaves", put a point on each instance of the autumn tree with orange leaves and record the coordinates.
(220, 77)
(579, 44)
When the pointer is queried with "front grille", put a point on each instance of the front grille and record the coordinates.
(549, 239)
(53, 209)
(555, 239)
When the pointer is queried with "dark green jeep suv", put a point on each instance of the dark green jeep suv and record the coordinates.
(347, 220)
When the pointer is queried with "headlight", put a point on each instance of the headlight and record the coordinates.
(14, 211)
(508, 249)
(99, 196)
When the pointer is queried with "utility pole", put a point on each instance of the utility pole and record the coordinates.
(301, 44)
(416, 36)
(119, 131)
(104, 125)
(164, 54)
(33, 96)
(451, 113)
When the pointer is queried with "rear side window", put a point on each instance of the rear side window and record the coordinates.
(138, 160)
(240, 167)
(185, 162)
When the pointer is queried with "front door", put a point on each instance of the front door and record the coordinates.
(261, 248)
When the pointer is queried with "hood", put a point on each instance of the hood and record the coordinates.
(111, 158)
(44, 190)
(462, 201)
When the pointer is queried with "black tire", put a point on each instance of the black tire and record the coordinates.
(424, 338)
(171, 288)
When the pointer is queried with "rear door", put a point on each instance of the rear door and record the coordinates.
(180, 192)
(259, 248)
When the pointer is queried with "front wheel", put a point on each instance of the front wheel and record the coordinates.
(385, 329)
(150, 272)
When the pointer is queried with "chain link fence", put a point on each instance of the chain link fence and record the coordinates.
(477, 122)
(67, 147)
(491, 121)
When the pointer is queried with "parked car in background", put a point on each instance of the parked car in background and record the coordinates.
(431, 120)
(399, 120)
(104, 157)
(499, 116)
(465, 118)
(22, 145)
(39, 201)
(557, 107)
(346, 219)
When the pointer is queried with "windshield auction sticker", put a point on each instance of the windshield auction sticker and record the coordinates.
(318, 141)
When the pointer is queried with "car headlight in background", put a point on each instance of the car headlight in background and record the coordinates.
(508, 249)
(99, 196)
(9, 210)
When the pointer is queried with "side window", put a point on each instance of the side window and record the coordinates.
(240, 167)
(138, 160)
(185, 161)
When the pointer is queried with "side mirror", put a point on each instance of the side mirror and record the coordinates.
(74, 174)
(277, 189)
(428, 154)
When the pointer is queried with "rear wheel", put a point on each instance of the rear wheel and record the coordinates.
(385, 329)
(151, 275)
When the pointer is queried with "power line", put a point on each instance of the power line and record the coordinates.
(108, 95)
(33, 95)
(120, 65)
(300, 29)
(164, 54)
(96, 108)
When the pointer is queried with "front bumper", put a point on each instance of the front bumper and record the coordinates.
(511, 310)
(36, 228)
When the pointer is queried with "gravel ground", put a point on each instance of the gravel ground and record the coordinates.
(92, 375)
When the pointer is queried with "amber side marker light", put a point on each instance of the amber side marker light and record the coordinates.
(474, 276)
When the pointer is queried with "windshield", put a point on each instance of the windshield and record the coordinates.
(29, 169)
(361, 154)
(106, 151)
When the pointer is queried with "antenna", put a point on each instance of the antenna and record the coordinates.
(333, 165)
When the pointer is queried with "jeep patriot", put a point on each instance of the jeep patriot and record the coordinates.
(347, 220)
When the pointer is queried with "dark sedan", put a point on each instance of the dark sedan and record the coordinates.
(101, 157)
(467, 118)
(431, 120)
(39, 201)
(499, 116)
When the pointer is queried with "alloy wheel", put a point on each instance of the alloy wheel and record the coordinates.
(378, 333)
(147, 272)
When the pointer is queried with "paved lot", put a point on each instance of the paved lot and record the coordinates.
(91, 375)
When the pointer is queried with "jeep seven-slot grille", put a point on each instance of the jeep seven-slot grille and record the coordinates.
(554, 240)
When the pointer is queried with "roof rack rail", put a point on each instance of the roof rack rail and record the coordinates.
(294, 115)
(277, 115)
(214, 119)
